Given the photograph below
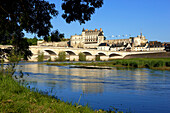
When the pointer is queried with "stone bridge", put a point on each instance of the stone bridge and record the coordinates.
(73, 53)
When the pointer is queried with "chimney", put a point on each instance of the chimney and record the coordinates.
(100, 29)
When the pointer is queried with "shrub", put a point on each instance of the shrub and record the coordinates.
(40, 57)
(168, 64)
(133, 64)
(141, 63)
(125, 63)
(14, 57)
(62, 56)
(118, 62)
(97, 58)
(82, 57)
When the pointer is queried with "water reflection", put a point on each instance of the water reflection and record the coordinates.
(94, 80)
(102, 88)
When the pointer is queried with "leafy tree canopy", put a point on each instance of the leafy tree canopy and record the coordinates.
(80, 10)
(55, 36)
(32, 41)
(34, 16)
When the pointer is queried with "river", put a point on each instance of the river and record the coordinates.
(129, 90)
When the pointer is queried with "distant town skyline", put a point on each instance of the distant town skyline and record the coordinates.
(123, 17)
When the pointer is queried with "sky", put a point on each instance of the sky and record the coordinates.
(122, 17)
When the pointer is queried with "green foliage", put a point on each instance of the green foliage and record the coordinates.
(55, 36)
(168, 64)
(80, 10)
(62, 56)
(144, 62)
(32, 41)
(160, 64)
(12, 57)
(97, 58)
(17, 16)
(82, 57)
(40, 57)
(34, 16)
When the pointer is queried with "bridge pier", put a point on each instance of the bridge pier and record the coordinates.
(74, 58)
(104, 58)
(117, 57)
(90, 57)
(53, 58)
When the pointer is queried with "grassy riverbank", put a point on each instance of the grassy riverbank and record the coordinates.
(15, 97)
(151, 63)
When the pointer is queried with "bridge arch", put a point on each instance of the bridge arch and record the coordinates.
(101, 54)
(87, 53)
(50, 52)
(114, 54)
(70, 52)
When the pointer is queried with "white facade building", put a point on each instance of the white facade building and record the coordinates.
(88, 39)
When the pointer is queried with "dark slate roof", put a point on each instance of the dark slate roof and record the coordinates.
(101, 34)
(103, 44)
(118, 45)
(155, 44)
(142, 45)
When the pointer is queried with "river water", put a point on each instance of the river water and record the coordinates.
(129, 90)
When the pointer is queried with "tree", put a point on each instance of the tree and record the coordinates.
(62, 56)
(30, 15)
(80, 10)
(32, 41)
(55, 36)
(34, 16)
(82, 57)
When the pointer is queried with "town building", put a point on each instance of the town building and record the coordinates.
(156, 46)
(87, 39)
(167, 46)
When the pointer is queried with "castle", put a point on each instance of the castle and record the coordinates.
(94, 39)
(87, 39)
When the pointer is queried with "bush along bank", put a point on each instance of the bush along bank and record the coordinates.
(15, 97)
(157, 63)
(160, 64)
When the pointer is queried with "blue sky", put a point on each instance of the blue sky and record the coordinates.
(121, 17)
